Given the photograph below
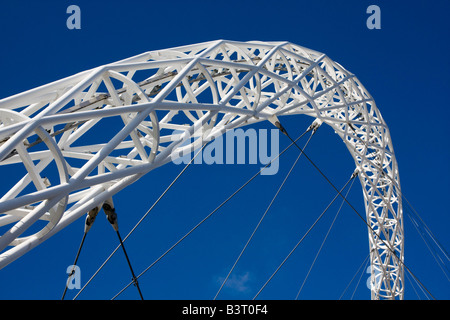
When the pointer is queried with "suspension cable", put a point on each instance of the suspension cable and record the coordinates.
(325, 239)
(412, 286)
(427, 229)
(214, 211)
(90, 218)
(135, 281)
(143, 217)
(304, 236)
(283, 130)
(263, 216)
(112, 218)
(433, 253)
(357, 271)
(360, 277)
(74, 264)
(419, 286)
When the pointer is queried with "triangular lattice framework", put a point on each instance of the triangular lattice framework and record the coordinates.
(141, 104)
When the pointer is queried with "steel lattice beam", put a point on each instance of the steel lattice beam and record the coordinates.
(141, 105)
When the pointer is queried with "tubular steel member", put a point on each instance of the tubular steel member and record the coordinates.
(64, 168)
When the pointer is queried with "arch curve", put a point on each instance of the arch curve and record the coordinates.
(149, 104)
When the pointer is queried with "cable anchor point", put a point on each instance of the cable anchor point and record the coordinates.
(274, 120)
(315, 125)
(111, 215)
(355, 173)
(90, 218)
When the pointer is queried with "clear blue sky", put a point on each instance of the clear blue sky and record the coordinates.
(404, 66)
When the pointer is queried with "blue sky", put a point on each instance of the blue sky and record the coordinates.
(405, 67)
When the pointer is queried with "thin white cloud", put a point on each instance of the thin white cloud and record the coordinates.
(237, 282)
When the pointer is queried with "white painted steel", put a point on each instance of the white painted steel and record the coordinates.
(140, 104)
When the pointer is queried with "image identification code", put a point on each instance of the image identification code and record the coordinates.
(231, 309)
(247, 309)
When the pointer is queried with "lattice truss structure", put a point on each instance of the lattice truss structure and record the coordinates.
(69, 146)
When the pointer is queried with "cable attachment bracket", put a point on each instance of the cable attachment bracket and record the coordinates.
(355, 173)
(315, 125)
(274, 120)
(90, 218)
(111, 215)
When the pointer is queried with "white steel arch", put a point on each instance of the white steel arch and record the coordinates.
(140, 104)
